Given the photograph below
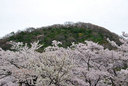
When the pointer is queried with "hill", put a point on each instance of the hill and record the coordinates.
(65, 33)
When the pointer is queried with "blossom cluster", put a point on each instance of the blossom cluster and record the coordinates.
(82, 64)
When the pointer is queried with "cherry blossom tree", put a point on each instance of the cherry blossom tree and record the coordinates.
(82, 64)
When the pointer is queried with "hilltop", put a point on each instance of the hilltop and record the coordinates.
(65, 33)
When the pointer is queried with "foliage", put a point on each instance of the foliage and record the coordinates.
(66, 33)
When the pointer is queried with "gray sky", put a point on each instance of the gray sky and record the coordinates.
(20, 14)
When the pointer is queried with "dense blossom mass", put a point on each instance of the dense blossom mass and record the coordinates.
(82, 64)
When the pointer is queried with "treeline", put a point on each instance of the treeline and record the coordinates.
(65, 33)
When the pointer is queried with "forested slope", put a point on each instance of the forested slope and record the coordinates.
(65, 33)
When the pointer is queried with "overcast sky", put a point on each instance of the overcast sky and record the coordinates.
(20, 14)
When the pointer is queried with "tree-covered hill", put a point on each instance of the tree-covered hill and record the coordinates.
(65, 33)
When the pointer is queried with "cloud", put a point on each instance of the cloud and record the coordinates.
(19, 14)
